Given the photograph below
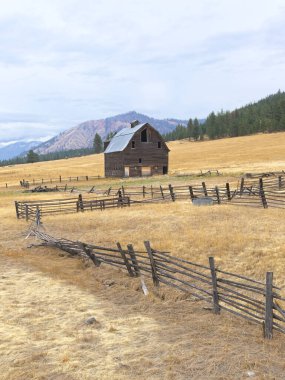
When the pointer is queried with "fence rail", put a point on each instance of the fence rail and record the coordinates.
(256, 301)
(245, 195)
(28, 209)
(42, 181)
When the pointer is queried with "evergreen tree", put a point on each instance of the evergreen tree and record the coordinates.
(110, 135)
(190, 128)
(98, 144)
(32, 157)
(196, 129)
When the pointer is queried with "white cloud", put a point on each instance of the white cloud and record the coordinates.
(68, 61)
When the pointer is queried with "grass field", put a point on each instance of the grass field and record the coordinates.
(46, 297)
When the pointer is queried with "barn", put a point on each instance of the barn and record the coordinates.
(136, 151)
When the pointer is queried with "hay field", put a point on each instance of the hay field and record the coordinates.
(231, 156)
(46, 297)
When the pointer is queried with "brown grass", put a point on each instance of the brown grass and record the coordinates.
(45, 298)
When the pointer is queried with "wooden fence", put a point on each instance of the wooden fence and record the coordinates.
(42, 181)
(245, 195)
(256, 301)
(29, 209)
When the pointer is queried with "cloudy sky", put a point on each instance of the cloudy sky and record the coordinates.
(66, 61)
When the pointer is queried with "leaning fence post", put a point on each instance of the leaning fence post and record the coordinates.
(218, 195)
(126, 261)
(90, 254)
(262, 194)
(191, 193)
(152, 263)
(215, 286)
(171, 193)
(268, 323)
(134, 260)
(205, 189)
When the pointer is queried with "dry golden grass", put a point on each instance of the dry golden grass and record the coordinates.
(45, 298)
(232, 156)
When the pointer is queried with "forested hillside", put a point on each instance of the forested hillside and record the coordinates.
(266, 115)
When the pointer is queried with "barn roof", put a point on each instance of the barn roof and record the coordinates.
(121, 139)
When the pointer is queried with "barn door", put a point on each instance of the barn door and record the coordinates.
(127, 171)
(146, 170)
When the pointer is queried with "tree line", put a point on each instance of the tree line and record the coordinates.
(266, 115)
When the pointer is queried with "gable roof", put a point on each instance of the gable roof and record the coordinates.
(120, 141)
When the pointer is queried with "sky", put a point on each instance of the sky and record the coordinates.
(63, 62)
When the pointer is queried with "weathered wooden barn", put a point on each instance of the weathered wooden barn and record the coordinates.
(136, 151)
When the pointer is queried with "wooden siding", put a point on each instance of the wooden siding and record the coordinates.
(144, 154)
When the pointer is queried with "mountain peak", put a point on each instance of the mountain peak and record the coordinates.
(82, 135)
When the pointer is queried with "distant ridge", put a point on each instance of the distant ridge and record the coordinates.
(16, 149)
(82, 135)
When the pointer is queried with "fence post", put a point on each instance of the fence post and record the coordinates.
(27, 211)
(205, 189)
(109, 190)
(241, 186)
(123, 190)
(151, 191)
(228, 191)
(17, 209)
(152, 264)
(171, 193)
(215, 287)
(87, 178)
(191, 193)
(143, 189)
(80, 202)
(134, 260)
(120, 198)
(126, 261)
(90, 254)
(262, 194)
(38, 216)
(268, 323)
(60, 178)
(218, 195)
(161, 190)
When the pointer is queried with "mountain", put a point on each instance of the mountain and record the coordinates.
(16, 149)
(82, 135)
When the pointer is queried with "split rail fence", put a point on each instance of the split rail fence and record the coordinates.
(29, 210)
(260, 192)
(60, 179)
(256, 301)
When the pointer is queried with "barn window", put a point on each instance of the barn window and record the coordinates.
(140, 160)
(133, 144)
(144, 135)
(159, 144)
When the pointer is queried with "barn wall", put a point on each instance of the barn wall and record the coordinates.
(148, 152)
(114, 166)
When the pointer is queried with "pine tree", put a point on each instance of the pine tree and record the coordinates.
(98, 144)
(196, 129)
(32, 157)
(190, 128)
